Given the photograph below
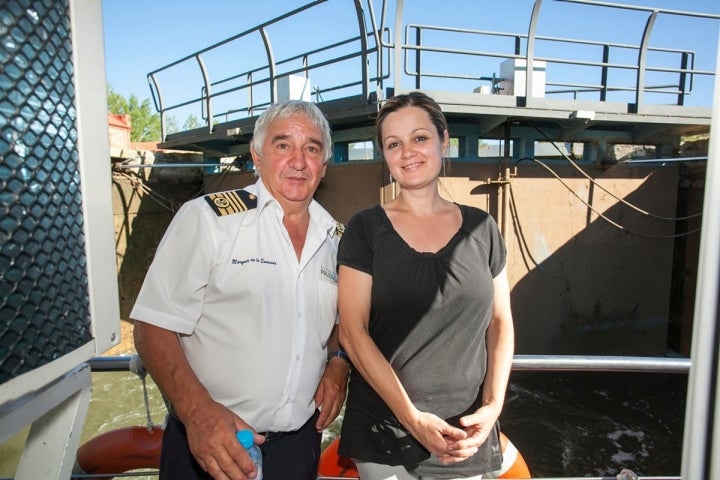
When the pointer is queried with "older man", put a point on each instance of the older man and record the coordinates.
(236, 318)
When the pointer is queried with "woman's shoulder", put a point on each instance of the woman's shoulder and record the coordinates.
(370, 214)
(469, 211)
(474, 217)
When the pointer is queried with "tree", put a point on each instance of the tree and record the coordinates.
(145, 122)
(171, 124)
(192, 122)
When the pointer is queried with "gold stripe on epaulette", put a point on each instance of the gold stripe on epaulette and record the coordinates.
(227, 203)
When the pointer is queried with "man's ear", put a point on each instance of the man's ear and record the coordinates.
(256, 158)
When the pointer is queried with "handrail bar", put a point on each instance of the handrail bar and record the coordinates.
(590, 363)
(640, 8)
(547, 363)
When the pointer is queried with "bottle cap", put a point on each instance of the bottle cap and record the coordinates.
(245, 437)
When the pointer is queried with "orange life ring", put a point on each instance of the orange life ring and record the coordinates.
(513, 465)
(121, 450)
(335, 465)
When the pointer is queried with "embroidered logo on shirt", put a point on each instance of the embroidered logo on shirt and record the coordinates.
(339, 229)
(329, 273)
(227, 203)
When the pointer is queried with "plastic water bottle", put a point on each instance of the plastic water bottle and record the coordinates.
(245, 437)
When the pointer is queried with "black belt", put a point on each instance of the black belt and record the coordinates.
(268, 435)
(275, 435)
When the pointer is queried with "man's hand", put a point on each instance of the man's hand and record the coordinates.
(330, 394)
(211, 431)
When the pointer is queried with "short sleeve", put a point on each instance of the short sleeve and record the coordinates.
(496, 246)
(171, 296)
(355, 249)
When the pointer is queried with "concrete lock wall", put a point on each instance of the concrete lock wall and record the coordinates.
(579, 284)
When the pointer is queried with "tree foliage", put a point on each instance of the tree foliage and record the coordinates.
(145, 122)
(192, 122)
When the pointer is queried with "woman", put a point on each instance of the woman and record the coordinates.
(425, 316)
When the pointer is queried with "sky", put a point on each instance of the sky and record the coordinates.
(143, 35)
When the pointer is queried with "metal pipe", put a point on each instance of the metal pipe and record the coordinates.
(590, 363)
(522, 363)
(175, 165)
(665, 160)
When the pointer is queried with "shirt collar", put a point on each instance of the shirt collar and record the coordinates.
(318, 214)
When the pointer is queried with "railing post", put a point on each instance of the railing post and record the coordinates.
(642, 59)
(530, 54)
(683, 79)
(157, 101)
(208, 92)
(363, 45)
(418, 68)
(604, 73)
(271, 65)
(398, 46)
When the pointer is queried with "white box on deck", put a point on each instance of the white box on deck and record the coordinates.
(293, 87)
(513, 75)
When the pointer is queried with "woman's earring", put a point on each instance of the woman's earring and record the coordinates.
(390, 176)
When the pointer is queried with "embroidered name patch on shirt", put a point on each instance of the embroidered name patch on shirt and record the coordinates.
(238, 261)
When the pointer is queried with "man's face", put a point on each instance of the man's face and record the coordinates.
(292, 161)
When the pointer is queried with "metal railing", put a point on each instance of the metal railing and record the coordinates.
(538, 363)
(381, 51)
(261, 84)
(599, 56)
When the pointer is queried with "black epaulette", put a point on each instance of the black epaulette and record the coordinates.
(227, 203)
(339, 229)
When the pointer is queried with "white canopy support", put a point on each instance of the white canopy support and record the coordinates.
(701, 444)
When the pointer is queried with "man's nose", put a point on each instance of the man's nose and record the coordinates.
(298, 159)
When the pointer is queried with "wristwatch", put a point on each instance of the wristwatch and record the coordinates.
(338, 353)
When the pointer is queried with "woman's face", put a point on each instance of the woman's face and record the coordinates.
(412, 147)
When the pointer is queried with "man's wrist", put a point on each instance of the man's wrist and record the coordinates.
(340, 353)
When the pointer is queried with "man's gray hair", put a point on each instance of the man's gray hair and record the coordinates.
(287, 109)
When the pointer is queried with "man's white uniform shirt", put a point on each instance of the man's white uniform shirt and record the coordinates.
(252, 319)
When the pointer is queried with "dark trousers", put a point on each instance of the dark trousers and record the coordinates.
(286, 456)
